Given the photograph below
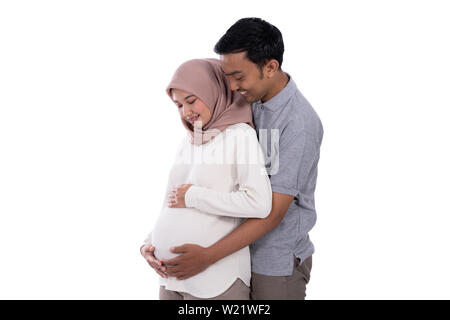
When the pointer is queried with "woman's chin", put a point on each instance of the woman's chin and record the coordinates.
(198, 124)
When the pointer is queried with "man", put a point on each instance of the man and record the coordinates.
(251, 53)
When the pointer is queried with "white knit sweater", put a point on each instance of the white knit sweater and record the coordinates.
(229, 183)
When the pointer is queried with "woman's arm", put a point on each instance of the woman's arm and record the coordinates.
(253, 199)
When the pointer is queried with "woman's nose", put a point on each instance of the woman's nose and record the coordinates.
(186, 111)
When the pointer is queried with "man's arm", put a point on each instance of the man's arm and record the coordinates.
(195, 258)
(252, 229)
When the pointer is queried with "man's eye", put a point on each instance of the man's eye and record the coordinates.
(239, 79)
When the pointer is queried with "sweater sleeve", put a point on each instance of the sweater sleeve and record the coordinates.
(253, 197)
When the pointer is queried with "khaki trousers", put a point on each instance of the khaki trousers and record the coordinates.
(282, 287)
(237, 291)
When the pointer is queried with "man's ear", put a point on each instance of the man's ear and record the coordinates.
(270, 68)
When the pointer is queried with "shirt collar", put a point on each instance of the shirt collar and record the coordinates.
(281, 98)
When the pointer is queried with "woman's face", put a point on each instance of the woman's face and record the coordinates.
(191, 108)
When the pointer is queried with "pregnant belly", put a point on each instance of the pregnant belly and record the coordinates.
(177, 226)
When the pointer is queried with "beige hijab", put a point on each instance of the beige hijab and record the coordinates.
(205, 79)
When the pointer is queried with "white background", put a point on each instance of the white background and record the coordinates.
(87, 138)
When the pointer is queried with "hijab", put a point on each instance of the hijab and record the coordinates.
(205, 79)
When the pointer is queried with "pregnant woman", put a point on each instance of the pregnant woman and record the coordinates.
(219, 172)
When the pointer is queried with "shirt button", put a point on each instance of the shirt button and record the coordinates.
(261, 107)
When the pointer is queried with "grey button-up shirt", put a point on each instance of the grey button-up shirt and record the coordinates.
(291, 143)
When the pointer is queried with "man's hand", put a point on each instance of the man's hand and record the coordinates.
(147, 252)
(193, 260)
(176, 196)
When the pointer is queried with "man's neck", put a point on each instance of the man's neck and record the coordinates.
(280, 81)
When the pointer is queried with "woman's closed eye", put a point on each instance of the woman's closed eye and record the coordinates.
(188, 102)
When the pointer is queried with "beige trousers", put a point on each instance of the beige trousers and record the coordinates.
(237, 291)
(282, 287)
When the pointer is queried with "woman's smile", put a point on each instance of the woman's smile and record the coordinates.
(192, 119)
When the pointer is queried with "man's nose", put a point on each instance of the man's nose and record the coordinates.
(233, 84)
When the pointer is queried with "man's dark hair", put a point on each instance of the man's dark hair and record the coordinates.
(261, 40)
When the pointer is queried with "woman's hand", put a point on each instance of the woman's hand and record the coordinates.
(147, 252)
(176, 196)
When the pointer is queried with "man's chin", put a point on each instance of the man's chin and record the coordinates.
(249, 99)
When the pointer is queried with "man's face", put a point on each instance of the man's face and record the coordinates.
(244, 76)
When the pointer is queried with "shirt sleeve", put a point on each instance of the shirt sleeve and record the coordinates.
(253, 197)
(289, 162)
